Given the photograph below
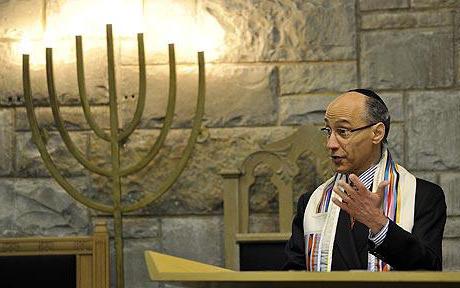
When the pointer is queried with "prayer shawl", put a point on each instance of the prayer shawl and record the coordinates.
(321, 215)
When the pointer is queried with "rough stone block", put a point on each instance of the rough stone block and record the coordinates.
(394, 102)
(285, 30)
(450, 183)
(452, 229)
(6, 142)
(235, 95)
(11, 88)
(218, 149)
(73, 118)
(7, 214)
(10, 84)
(65, 73)
(185, 237)
(19, 18)
(432, 130)
(318, 77)
(263, 223)
(434, 3)
(407, 59)
(457, 44)
(451, 255)
(95, 61)
(295, 110)
(429, 176)
(406, 20)
(366, 5)
(136, 274)
(30, 164)
(136, 227)
(396, 142)
(41, 207)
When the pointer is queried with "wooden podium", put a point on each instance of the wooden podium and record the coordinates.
(167, 268)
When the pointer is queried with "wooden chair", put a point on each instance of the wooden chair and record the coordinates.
(281, 157)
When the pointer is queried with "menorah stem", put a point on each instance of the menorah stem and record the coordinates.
(115, 156)
(117, 222)
(118, 228)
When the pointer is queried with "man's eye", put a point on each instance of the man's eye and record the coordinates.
(342, 131)
(326, 130)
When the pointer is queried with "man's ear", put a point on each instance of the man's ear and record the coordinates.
(378, 132)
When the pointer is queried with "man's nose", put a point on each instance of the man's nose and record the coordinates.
(332, 142)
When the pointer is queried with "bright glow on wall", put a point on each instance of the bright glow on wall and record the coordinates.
(181, 25)
(25, 46)
(210, 36)
(162, 22)
(88, 17)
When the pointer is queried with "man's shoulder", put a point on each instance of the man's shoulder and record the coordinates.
(428, 186)
(426, 190)
(305, 197)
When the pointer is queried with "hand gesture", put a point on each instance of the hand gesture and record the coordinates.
(362, 204)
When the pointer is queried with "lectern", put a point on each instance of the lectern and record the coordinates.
(167, 268)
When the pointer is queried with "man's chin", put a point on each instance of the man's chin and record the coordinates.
(342, 169)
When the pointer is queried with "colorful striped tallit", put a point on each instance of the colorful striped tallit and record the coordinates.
(321, 214)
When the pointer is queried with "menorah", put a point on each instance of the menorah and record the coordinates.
(116, 137)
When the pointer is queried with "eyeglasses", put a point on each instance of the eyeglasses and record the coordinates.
(343, 133)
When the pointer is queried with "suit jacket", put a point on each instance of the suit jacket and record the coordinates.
(419, 250)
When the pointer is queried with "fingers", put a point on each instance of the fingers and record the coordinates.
(337, 202)
(381, 188)
(357, 200)
(345, 197)
(357, 183)
(340, 204)
(347, 189)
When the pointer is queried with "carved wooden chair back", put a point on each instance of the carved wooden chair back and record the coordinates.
(281, 158)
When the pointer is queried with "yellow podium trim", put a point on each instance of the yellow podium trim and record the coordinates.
(163, 267)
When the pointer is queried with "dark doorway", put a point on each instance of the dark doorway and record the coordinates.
(259, 256)
(38, 271)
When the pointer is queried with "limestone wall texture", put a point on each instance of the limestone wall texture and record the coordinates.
(279, 64)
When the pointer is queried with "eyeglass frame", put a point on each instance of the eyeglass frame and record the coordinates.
(325, 130)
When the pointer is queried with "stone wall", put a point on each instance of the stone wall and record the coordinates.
(279, 64)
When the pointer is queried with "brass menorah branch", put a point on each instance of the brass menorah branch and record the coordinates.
(116, 136)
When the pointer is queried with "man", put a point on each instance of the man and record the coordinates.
(373, 214)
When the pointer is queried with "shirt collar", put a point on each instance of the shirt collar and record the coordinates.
(367, 177)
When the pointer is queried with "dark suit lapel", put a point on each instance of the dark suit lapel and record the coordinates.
(345, 252)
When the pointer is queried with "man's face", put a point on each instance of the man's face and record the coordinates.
(355, 153)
